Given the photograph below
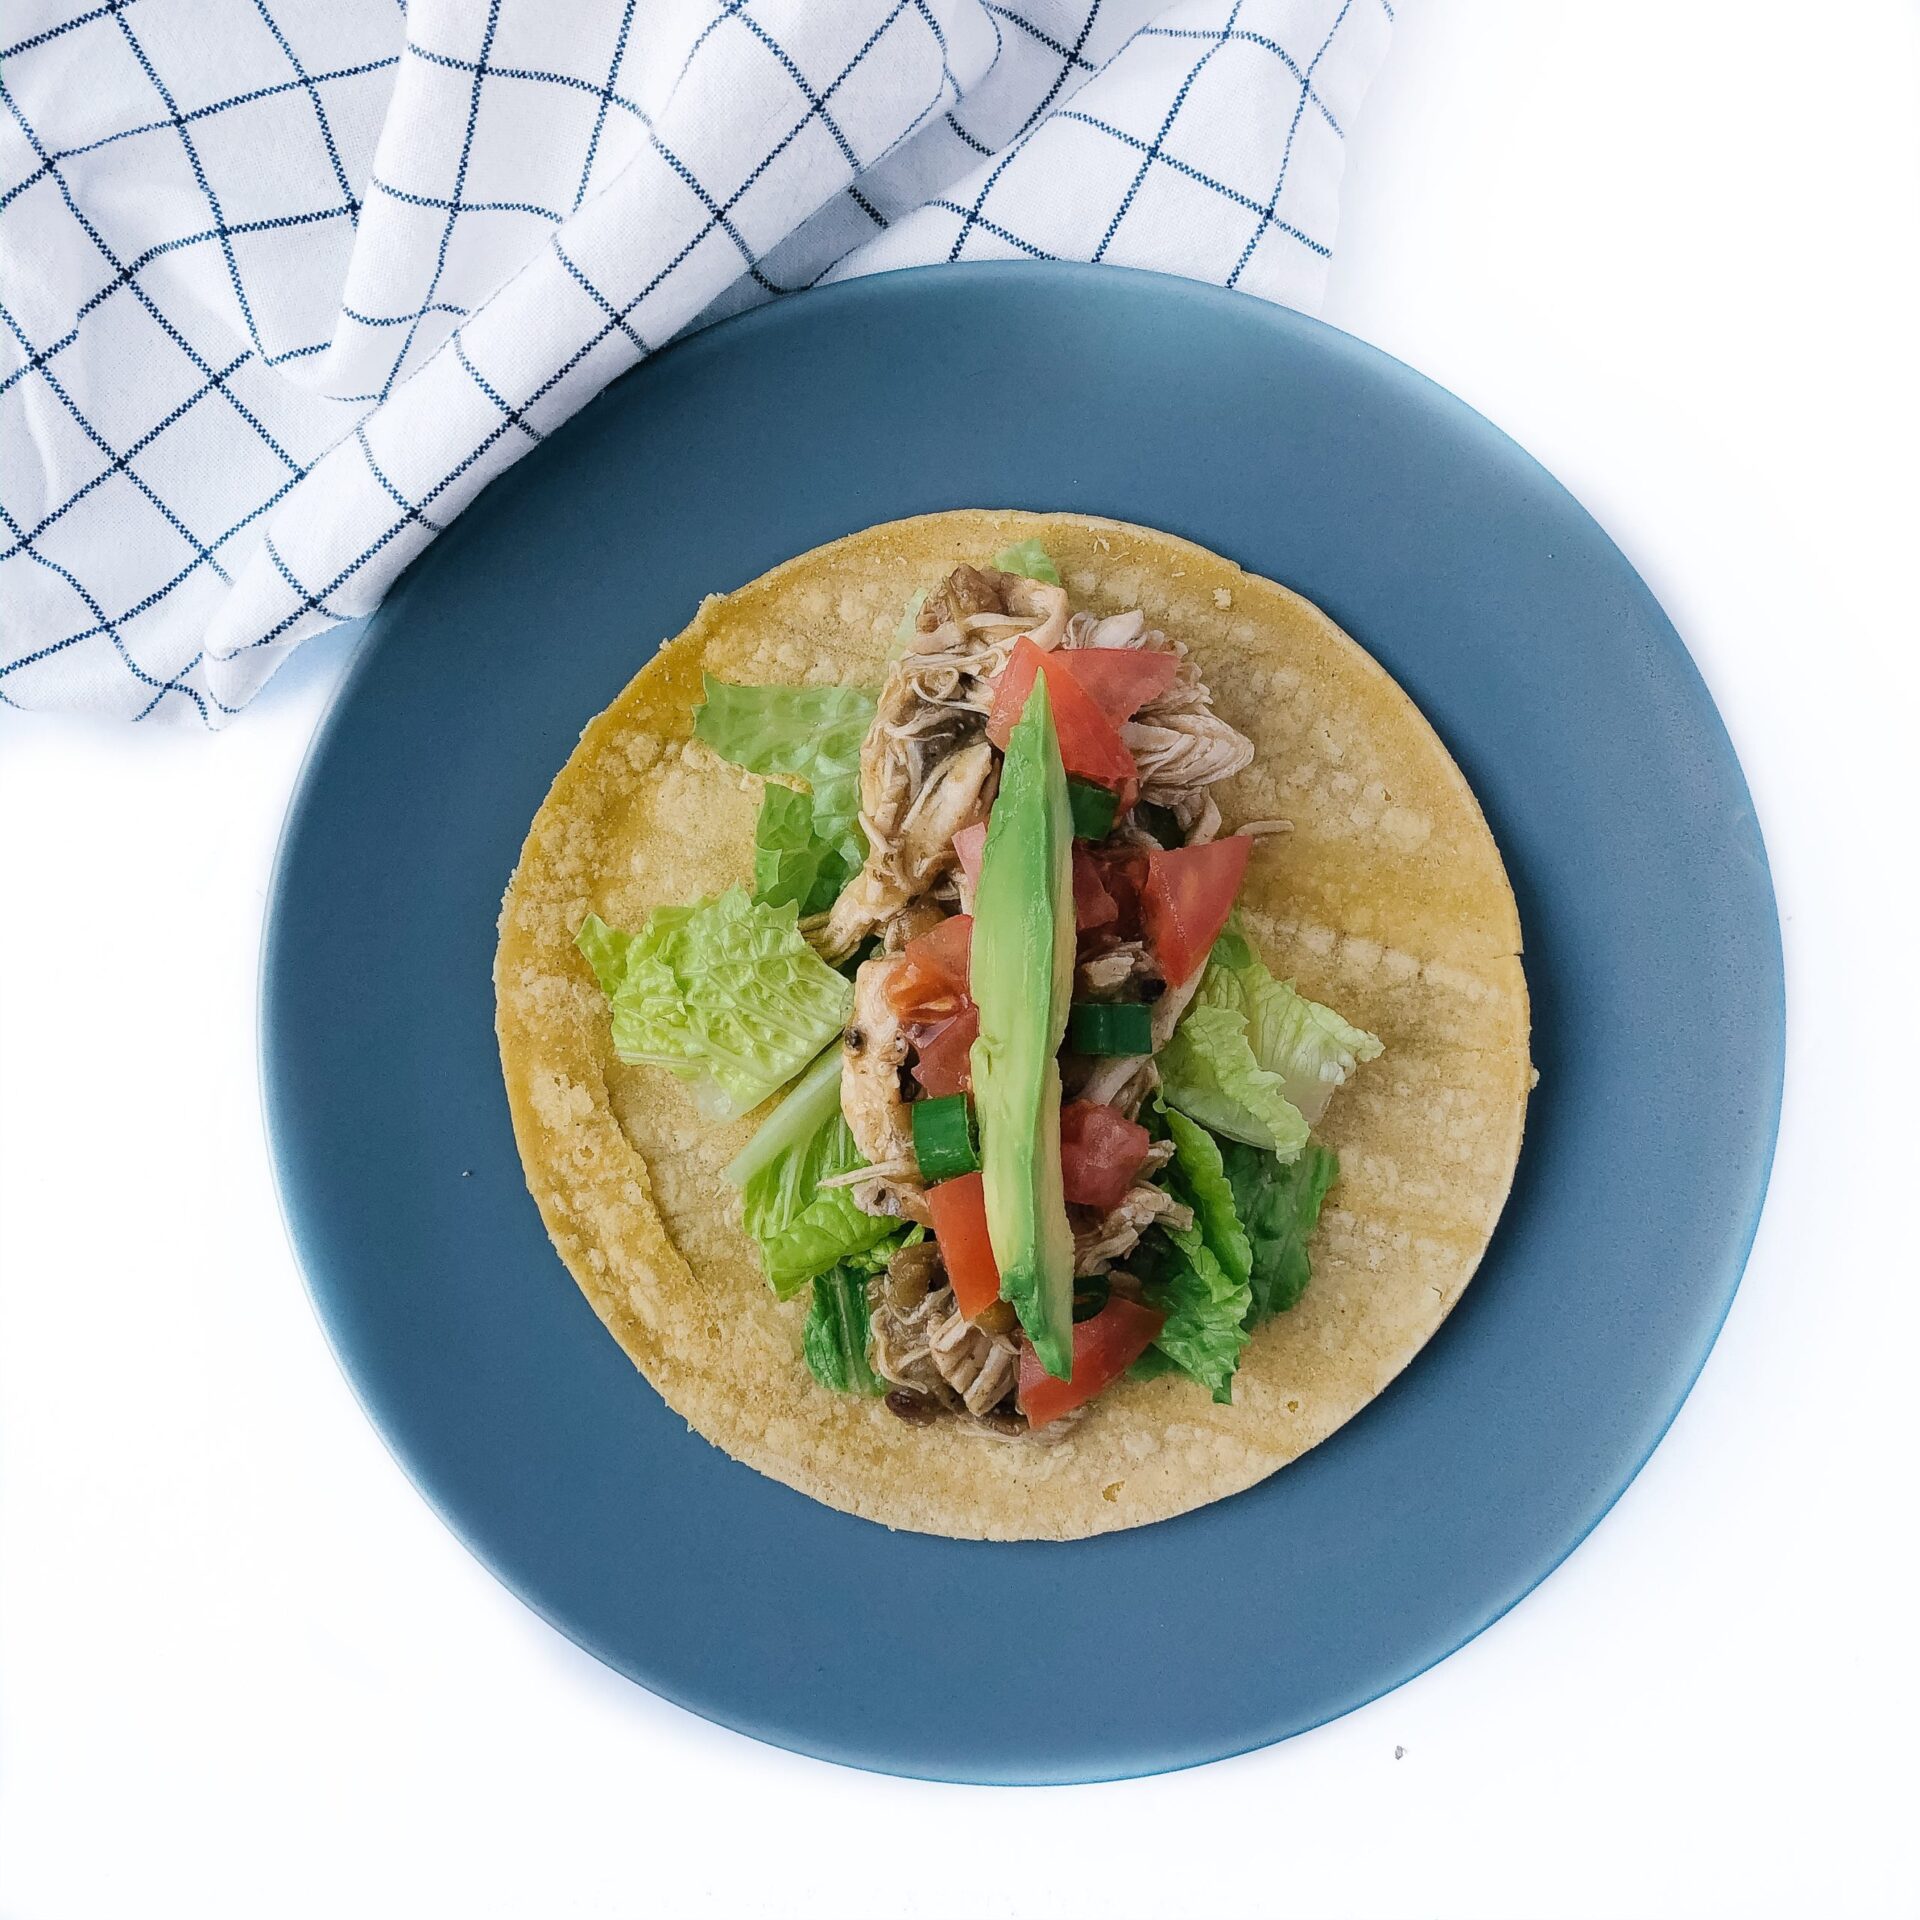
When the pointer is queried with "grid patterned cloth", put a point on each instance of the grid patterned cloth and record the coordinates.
(284, 283)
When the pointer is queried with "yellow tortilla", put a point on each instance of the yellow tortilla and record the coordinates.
(1388, 901)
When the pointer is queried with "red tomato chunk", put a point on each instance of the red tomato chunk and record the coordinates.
(1093, 905)
(968, 845)
(1090, 744)
(960, 1226)
(1122, 680)
(934, 979)
(1101, 1153)
(945, 1064)
(1103, 1349)
(1189, 893)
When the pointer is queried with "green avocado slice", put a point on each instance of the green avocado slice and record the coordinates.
(1022, 968)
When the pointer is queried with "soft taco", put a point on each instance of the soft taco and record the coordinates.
(1028, 1064)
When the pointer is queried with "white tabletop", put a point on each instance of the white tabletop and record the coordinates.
(244, 1670)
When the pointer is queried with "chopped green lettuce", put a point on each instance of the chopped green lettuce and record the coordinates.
(803, 1227)
(724, 993)
(1030, 559)
(806, 846)
(839, 1326)
(1308, 1046)
(1254, 1059)
(1205, 1306)
(1279, 1207)
(906, 626)
(1199, 1276)
(1208, 1071)
(1198, 1177)
(793, 863)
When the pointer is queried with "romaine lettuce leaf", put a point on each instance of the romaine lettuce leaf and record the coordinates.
(807, 733)
(1198, 1176)
(839, 1326)
(907, 625)
(1030, 559)
(1205, 1307)
(792, 861)
(1308, 1046)
(1279, 1207)
(1198, 1276)
(801, 1226)
(1208, 1071)
(724, 993)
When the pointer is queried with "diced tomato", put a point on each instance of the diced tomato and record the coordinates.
(1189, 893)
(960, 1225)
(1101, 1151)
(1092, 904)
(945, 1064)
(1103, 1349)
(968, 845)
(944, 952)
(1090, 744)
(933, 980)
(1122, 679)
(1123, 872)
(1011, 689)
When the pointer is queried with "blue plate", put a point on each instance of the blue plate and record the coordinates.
(1653, 952)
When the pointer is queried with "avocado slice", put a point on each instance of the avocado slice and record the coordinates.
(1023, 951)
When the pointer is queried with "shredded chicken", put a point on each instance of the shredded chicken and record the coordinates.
(983, 596)
(910, 830)
(1119, 1233)
(1107, 975)
(935, 1358)
(874, 1053)
(1171, 1005)
(980, 1366)
(1158, 1155)
(917, 917)
(1117, 630)
(894, 1191)
(1179, 749)
(926, 770)
(1199, 817)
(965, 591)
(1003, 1424)
(1123, 1081)
(1178, 742)
(905, 1300)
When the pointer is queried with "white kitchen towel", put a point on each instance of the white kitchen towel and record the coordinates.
(284, 283)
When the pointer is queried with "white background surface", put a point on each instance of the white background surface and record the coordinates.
(1671, 246)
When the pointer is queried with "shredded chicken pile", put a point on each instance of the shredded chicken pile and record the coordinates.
(931, 1354)
(927, 772)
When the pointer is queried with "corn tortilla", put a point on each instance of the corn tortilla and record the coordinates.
(1388, 901)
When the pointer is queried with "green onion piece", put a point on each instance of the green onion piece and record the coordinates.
(1109, 1027)
(1094, 809)
(944, 1141)
(1161, 822)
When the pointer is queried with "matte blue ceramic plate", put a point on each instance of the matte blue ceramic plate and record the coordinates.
(1652, 950)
